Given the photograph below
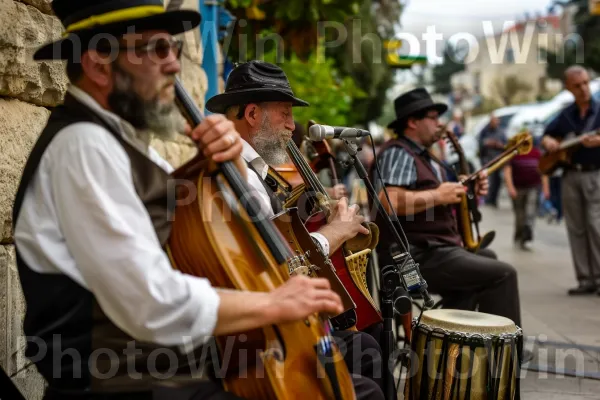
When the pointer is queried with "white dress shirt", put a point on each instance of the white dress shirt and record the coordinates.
(253, 158)
(81, 217)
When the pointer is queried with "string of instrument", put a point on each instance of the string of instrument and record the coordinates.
(243, 247)
(295, 357)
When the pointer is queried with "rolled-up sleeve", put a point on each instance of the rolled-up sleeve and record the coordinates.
(112, 240)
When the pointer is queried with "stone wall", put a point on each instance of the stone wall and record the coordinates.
(28, 91)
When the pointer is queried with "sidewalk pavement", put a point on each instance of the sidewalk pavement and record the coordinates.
(562, 331)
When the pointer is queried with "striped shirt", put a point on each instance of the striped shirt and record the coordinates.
(398, 167)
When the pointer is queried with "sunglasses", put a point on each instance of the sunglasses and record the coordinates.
(160, 48)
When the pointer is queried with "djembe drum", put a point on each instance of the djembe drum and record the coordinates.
(464, 355)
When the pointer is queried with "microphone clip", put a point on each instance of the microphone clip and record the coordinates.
(411, 276)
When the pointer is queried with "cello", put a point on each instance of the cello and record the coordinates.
(242, 251)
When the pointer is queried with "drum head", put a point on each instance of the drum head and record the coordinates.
(468, 322)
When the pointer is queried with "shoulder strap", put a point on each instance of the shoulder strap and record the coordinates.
(275, 202)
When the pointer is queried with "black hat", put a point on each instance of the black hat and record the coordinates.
(88, 21)
(254, 82)
(411, 103)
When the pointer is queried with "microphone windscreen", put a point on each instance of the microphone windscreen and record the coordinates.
(316, 133)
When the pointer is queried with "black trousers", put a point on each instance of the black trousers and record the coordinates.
(362, 355)
(361, 352)
(467, 281)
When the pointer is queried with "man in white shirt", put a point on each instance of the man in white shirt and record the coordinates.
(259, 100)
(90, 221)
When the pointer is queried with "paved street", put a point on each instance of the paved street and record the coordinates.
(563, 332)
(549, 315)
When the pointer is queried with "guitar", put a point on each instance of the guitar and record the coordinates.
(550, 162)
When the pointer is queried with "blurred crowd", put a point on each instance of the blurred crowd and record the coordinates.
(532, 194)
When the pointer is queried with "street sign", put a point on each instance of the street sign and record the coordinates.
(395, 60)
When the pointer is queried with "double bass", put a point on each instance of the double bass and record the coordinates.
(222, 238)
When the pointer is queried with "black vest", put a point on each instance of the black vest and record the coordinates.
(64, 318)
(434, 224)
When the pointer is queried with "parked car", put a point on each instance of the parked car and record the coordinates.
(531, 117)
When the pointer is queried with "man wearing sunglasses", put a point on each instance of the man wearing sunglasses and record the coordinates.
(107, 316)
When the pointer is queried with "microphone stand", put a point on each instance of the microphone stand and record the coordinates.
(405, 268)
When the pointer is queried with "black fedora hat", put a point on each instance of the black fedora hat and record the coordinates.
(88, 21)
(254, 82)
(413, 102)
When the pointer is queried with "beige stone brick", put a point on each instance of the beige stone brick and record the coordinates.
(20, 125)
(44, 6)
(12, 309)
(23, 29)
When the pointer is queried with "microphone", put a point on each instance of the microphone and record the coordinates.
(318, 133)
(401, 301)
(393, 291)
(411, 276)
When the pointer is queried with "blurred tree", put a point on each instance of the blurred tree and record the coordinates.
(511, 89)
(453, 62)
(329, 94)
(363, 56)
(293, 28)
(588, 29)
(294, 22)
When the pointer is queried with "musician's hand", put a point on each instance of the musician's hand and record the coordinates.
(450, 193)
(344, 223)
(512, 192)
(482, 186)
(591, 141)
(550, 144)
(337, 192)
(301, 296)
(219, 140)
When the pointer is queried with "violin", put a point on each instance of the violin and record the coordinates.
(245, 252)
(351, 260)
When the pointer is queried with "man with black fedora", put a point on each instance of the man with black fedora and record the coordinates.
(424, 201)
(107, 315)
(259, 100)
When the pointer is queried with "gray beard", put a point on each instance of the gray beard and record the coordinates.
(270, 151)
(149, 117)
(270, 145)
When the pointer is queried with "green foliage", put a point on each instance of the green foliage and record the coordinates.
(363, 56)
(292, 28)
(330, 94)
(453, 63)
